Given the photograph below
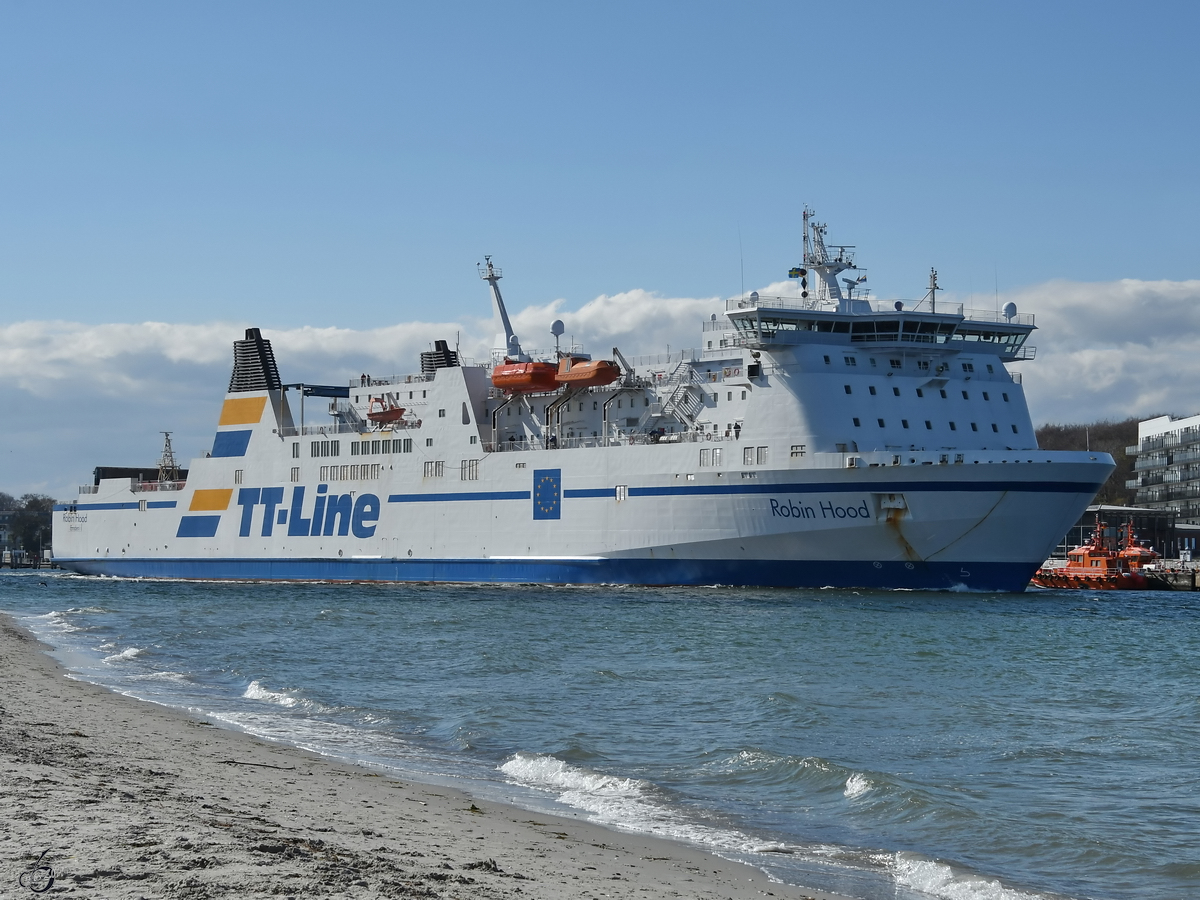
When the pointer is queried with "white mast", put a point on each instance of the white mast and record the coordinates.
(512, 347)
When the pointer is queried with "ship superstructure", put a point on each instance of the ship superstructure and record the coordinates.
(813, 439)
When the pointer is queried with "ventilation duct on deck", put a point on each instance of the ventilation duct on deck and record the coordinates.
(254, 366)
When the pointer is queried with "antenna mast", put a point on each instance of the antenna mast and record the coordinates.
(168, 469)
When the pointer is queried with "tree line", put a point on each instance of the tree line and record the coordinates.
(1107, 437)
(30, 523)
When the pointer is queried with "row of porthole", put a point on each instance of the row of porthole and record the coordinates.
(929, 425)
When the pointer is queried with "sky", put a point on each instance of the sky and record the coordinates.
(332, 173)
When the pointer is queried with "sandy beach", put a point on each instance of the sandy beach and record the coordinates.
(128, 799)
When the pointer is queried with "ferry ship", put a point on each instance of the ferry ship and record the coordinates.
(817, 438)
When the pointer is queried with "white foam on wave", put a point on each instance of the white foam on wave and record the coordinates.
(627, 803)
(127, 653)
(941, 880)
(48, 623)
(857, 785)
(255, 691)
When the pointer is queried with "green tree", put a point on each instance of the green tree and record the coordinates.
(31, 523)
(7, 501)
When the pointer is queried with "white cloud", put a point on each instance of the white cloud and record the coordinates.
(81, 395)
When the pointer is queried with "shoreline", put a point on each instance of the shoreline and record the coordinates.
(131, 799)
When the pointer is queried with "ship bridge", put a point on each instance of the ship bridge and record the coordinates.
(762, 322)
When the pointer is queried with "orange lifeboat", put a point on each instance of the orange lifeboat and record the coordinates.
(525, 377)
(578, 372)
(387, 410)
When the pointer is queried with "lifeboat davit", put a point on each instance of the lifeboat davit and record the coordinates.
(578, 372)
(525, 377)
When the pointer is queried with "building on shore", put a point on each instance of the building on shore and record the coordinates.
(1158, 529)
(1167, 469)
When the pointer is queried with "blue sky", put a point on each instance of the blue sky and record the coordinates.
(309, 163)
(317, 166)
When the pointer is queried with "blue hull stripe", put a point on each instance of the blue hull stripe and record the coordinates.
(981, 576)
(459, 495)
(75, 507)
(883, 487)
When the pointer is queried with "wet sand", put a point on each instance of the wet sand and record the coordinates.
(130, 799)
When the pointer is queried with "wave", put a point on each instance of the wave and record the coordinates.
(128, 653)
(938, 879)
(256, 691)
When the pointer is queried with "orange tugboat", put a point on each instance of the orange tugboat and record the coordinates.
(1099, 568)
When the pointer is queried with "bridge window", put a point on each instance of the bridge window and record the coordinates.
(965, 397)
(968, 367)
(896, 391)
(857, 424)
(880, 421)
(953, 427)
(1005, 396)
(847, 387)
(920, 393)
(850, 360)
(871, 388)
(904, 423)
(928, 425)
(942, 391)
(995, 429)
(974, 427)
(895, 363)
(985, 395)
(1014, 428)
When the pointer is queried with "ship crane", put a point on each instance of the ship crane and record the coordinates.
(512, 347)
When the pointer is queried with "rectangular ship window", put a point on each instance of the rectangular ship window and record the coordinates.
(428, 442)
(848, 390)
(920, 393)
(850, 360)
(469, 471)
(334, 448)
(622, 492)
(994, 428)
(895, 392)
(928, 425)
(354, 448)
(386, 446)
(871, 389)
(974, 427)
(407, 445)
(237, 475)
(434, 468)
(857, 424)
(295, 449)
(942, 391)
(985, 395)
(716, 457)
(1014, 428)
(904, 423)
(324, 473)
(1005, 396)
(895, 363)
(965, 397)
(923, 365)
(880, 421)
(798, 449)
(295, 474)
(762, 456)
(748, 456)
(374, 446)
(705, 456)
(953, 427)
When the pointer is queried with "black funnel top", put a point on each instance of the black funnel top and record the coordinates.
(254, 366)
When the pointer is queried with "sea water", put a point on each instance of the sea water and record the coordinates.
(879, 744)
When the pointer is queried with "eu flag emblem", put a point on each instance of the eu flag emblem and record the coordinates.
(547, 493)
